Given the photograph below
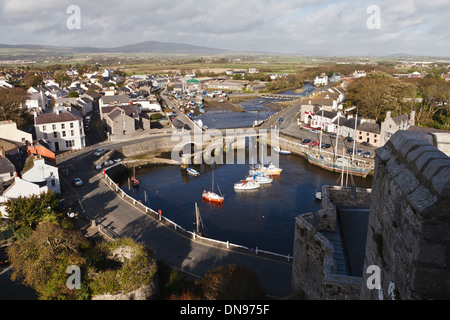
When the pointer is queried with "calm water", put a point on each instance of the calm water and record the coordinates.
(262, 218)
(254, 109)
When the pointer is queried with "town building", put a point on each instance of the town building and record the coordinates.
(9, 131)
(61, 128)
(38, 171)
(369, 132)
(393, 124)
(321, 80)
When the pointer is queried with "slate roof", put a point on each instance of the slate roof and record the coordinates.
(64, 116)
(6, 166)
(369, 127)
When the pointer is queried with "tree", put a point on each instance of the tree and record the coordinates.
(11, 100)
(27, 212)
(41, 261)
(73, 94)
(231, 283)
(375, 95)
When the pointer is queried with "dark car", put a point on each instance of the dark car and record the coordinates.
(366, 144)
(326, 145)
(281, 119)
(333, 135)
(350, 150)
(306, 141)
(349, 139)
(4, 259)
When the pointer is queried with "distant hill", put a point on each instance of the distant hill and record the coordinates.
(143, 47)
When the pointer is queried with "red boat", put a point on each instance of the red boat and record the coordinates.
(134, 182)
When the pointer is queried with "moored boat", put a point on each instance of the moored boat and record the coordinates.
(259, 177)
(246, 185)
(281, 151)
(193, 172)
(211, 196)
(271, 170)
(134, 182)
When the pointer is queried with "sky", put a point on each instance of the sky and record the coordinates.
(327, 27)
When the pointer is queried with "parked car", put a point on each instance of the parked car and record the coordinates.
(281, 119)
(326, 145)
(99, 166)
(77, 182)
(359, 152)
(349, 139)
(366, 144)
(349, 150)
(367, 154)
(333, 135)
(314, 143)
(313, 130)
(4, 259)
(306, 141)
(99, 152)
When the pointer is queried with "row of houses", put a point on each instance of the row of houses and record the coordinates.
(27, 167)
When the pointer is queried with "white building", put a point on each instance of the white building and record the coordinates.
(147, 105)
(321, 80)
(38, 171)
(359, 74)
(19, 188)
(61, 128)
(9, 131)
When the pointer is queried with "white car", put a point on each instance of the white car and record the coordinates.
(99, 166)
(99, 152)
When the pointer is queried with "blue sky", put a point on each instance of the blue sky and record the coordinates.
(287, 26)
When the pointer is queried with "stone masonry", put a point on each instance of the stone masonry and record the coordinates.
(409, 226)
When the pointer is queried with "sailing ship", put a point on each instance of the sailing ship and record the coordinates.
(259, 177)
(211, 196)
(338, 163)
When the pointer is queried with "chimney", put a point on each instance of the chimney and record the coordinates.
(412, 118)
(388, 114)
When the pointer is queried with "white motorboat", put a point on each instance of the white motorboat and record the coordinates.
(193, 172)
(246, 185)
(281, 151)
(259, 177)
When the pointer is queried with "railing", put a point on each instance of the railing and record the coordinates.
(193, 235)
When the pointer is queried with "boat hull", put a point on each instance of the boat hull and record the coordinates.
(328, 165)
(212, 197)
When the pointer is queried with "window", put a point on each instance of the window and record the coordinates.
(360, 137)
(54, 127)
(53, 183)
(45, 136)
(367, 134)
(70, 143)
(63, 125)
(71, 125)
(55, 135)
(63, 133)
(72, 133)
(44, 128)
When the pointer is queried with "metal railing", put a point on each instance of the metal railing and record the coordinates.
(158, 216)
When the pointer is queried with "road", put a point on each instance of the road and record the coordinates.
(99, 202)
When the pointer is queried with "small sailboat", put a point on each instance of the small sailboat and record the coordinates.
(211, 196)
(193, 172)
(246, 185)
(134, 182)
(281, 151)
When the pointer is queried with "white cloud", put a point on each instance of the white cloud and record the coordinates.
(266, 25)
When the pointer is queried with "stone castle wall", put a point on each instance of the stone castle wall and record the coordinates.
(408, 234)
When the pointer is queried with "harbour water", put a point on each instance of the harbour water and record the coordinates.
(262, 218)
(253, 109)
